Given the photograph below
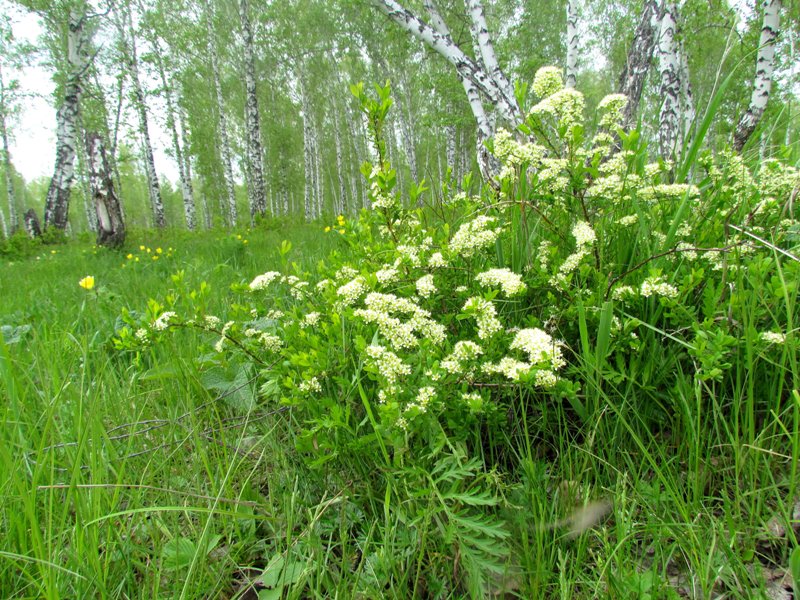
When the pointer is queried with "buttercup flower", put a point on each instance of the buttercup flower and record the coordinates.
(87, 282)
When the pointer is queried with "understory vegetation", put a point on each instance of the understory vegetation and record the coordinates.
(580, 381)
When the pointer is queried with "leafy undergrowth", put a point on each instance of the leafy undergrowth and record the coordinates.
(581, 383)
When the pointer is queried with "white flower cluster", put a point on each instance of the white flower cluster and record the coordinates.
(380, 310)
(436, 261)
(211, 321)
(623, 292)
(387, 363)
(474, 235)
(311, 319)
(668, 190)
(584, 238)
(422, 401)
(628, 220)
(261, 282)
(350, 292)
(486, 315)
(380, 199)
(296, 285)
(656, 286)
(142, 335)
(312, 385)
(508, 281)
(540, 348)
(611, 107)
(510, 367)
(388, 274)
(512, 153)
(773, 337)
(565, 105)
(410, 254)
(271, 343)
(425, 286)
(547, 81)
(345, 273)
(463, 352)
(162, 322)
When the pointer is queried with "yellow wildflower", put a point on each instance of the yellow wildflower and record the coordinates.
(327, 229)
(87, 282)
(141, 248)
(129, 257)
(159, 250)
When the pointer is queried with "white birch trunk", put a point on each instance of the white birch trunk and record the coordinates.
(255, 154)
(450, 141)
(572, 42)
(337, 132)
(669, 138)
(56, 208)
(13, 220)
(110, 224)
(125, 28)
(640, 53)
(184, 178)
(222, 122)
(687, 101)
(308, 158)
(765, 67)
(485, 127)
(483, 40)
(495, 91)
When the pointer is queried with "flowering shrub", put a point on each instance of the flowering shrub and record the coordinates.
(424, 342)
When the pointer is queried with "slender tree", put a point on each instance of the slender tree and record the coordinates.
(56, 208)
(110, 224)
(670, 89)
(222, 121)
(572, 42)
(765, 67)
(7, 166)
(640, 53)
(127, 36)
(255, 154)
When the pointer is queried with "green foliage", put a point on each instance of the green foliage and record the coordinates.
(413, 364)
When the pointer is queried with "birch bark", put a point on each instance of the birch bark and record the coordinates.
(184, 178)
(765, 67)
(124, 24)
(110, 225)
(56, 208)
(255, 154)
(669, 138)
(640, 53)
(222, 121)
(572, 43)
(13, 221)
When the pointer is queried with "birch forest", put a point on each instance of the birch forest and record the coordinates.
(248, 101)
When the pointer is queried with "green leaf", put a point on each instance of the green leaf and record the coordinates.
(794, 567)
(178, 553)
(13, 335)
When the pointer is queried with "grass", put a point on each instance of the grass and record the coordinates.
(127, 476)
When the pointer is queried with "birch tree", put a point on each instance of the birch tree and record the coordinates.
(640, 53)
(765, 67)
(178, 145)
(56, 207)
(670, 89)
(482, 78)
(110, 224)
(12, 224)
(124, 23)
(222, 121)
(255, 154)
(572, 42)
